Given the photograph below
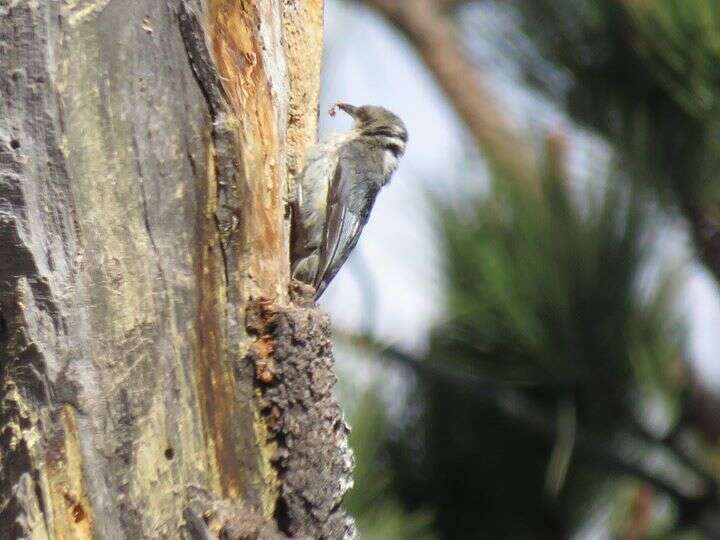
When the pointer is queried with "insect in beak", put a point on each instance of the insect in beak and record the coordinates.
(350, 109)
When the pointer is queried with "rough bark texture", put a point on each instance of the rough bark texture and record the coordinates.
(145, 151)
(294, 368)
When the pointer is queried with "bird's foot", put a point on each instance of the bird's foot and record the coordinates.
(301, 293)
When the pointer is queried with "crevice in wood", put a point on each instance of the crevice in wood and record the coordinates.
(208, 518)
(146, 218)
(190, 17)
(110, 407)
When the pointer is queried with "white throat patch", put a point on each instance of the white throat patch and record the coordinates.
(390, 163)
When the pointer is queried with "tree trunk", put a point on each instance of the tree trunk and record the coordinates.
(156, 376)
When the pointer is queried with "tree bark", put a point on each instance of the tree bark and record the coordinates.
(146, 149)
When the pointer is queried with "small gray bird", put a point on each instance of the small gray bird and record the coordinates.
(336, 190)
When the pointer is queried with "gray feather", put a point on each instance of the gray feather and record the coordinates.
(357, 180)
(336, 191)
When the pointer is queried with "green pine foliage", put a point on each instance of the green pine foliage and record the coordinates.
(545, 299)
(550, 299)
(377, 508)
(547, 295)
(644, 73)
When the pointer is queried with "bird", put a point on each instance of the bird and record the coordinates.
(336, 190)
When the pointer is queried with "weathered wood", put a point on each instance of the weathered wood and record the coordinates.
(294, 366)
(145, 154)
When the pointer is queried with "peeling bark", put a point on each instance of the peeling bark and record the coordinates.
(145, 152)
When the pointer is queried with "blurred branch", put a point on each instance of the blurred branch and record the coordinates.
(640, 515)
(429, 27)
(448, 6)
(563, 448)
(673, 446)
(514, 406)
(701, 410)
(706, 233)
(704, 226)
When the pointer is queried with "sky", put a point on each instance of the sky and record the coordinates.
(392, 285)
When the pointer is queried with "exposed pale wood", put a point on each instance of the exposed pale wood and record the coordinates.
(145, 154)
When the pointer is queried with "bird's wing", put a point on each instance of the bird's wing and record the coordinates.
(351, 195)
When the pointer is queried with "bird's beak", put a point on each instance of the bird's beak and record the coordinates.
(350, 109)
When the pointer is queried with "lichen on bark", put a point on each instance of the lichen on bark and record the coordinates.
(145, 153)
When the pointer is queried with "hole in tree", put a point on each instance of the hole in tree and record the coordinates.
(78, 513)
(169, 453)
(14, 144)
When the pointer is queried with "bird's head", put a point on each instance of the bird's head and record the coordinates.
(374, 121)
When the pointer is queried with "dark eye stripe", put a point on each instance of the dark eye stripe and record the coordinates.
(394, 148)
(387, 132)
(383, 131)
